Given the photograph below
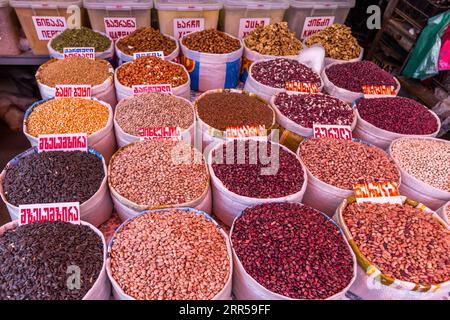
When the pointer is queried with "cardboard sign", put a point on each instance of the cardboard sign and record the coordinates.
(83, 52)
(47, 27)
(332, 131)
(187, 25)
(315, 24)
(143, 88)
(247, 131)
(301, 87)
(163, 133)
(64, 211)
(73, 91)
(371, 91)
(247, 25)
(119, 27)
(63, 142)
(158, 54)
(377, 192)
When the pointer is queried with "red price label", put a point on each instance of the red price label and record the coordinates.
(332, 131)
(73, 91)
(302, 87)
(378, 192)
(247, 131)
(163, 133)
(64, 211)
(63, 142)
(379, 90)
(143, 88)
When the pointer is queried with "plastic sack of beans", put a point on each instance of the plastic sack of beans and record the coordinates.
(344, 80)
(333, 166)
(221, 108)
(154, 174)
(147, 40)
(72, 115)
(444, 212)
(425, 167)
(297, 113)
(99, 74)
(402, 250)
(382, 120)
(58, 176)
(152, 71)
(212, 58)
(268, 77)
(150, 110)
(250, 172)
(46, 251)
(269, 42)
(170, 254)
(82, 37)
(285, 251)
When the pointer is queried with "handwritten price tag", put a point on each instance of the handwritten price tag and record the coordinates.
(313, 25)
(158, 54)
(82, 52)
(248, 131)
(63, 142)
(377, 192)
(119, 27)
(48, 26)
(246, 25)
(332, 131)
(73, 91)
(143, 88)
(371, 91)
(301, 87)
(64, 211)
(184, 26)
(163, 133)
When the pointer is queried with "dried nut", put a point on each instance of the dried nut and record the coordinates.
(337, 41)
(211, 41)
(146, 40)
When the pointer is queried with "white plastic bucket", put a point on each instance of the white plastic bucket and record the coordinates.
(103, 92)
(343, 94)
(228, 205)
(102, 140)
(101, 289)
(124, 138)
(247, 288)
(224, 294)
(418, 190)
(122, 91)
(368, 284)
(96, 210)
(211, 71)
(123, 57)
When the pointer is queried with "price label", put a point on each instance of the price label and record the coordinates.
(301, 87)
(377, 192)
(247, 25)
(73, 91)
(64, 211)
(247, 131)
(370, 91)
(119, 27)
(163, 133)
(313, 25)
(47, 27)
(158, 54)
(332, 131)
(83, 52)
(185, 26)
(63, 142)
(143, 88)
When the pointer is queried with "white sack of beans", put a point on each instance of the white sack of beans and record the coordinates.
(444, 212)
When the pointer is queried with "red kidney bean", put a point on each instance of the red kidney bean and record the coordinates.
(246, 179)
(307, 109)
(293, 250)
(353, 75)
(275, 73)
(398, 114)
